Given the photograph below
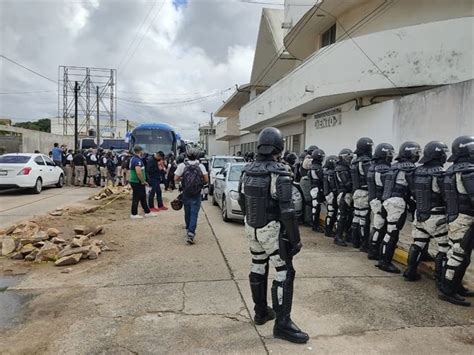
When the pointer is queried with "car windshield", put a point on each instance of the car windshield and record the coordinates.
(14, 159)
(221, 162)
(235, 172)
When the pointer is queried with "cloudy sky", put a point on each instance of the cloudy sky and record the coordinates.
(165, 52)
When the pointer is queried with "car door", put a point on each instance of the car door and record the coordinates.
(40, 168)
(50, 176)
(218, 183)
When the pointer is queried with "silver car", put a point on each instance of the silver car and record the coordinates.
(216, 164)
(226, 193)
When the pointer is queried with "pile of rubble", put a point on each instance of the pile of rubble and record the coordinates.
(29, 242)
(111, 190)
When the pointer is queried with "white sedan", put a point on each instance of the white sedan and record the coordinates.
(26, 170)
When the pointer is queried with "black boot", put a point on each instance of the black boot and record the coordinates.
(387, 249)
(364, 236)
(284, 327)
(462, 290)
(449, 288)
(355, 236)
(329, 226)
(414, 256)
(338, 237)
(258, 285)
(440, 261)
(374, 246)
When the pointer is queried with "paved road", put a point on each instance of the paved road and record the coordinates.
(16, 205)
(153, 294)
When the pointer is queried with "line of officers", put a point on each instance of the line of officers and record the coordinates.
(368, 197)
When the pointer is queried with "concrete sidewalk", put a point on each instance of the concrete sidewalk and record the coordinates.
(154, 294)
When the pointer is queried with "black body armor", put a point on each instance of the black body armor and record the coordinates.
(329, 181)
(377, 168)
(343, 178)
(315, 175)
(457, 202)
(426, 198)
(359, 170)
(392, 188)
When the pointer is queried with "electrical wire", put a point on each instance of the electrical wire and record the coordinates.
(26, 92)
(26, 68)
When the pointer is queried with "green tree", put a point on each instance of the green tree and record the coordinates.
(43, 125)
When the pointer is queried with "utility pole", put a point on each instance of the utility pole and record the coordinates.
(98, 118)
(76, 133)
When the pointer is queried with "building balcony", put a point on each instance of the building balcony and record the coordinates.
(431, 54)
(228, 129)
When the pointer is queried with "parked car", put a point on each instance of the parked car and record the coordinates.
(33, 171)
(226, 193)
(217, 163)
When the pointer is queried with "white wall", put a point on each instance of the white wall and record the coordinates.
(374, 121)
(442, 114)
(217, 147)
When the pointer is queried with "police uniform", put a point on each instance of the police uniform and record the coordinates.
(397, 199)
(344, 197)
(330, 194)
(430, 216)
(376, 176)
(459, 189)
(265, 197)
(315, 175)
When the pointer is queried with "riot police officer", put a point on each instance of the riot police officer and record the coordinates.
(359, 169)
(330, 194)
(344, 197)
(459, 190)
(430, 216)
(315, 175)
(265, 197)
(376, 175)
(306, 162)
(397, 200)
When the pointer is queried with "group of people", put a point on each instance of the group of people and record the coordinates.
(367, 197)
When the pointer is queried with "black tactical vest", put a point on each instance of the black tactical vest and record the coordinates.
(457, 202)
(381, 169)
(394, 189)
(426, 198)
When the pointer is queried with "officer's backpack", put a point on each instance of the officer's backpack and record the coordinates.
(192, 180)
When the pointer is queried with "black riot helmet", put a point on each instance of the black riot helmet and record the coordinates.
(409, 151)
(330, 162)
(291, 159)
(435, 150)
(318, 155)
(462, 147)
(346, 156)
(384, 151)
(301, 157)
(311, 148)
(364, 146)
(270, 141)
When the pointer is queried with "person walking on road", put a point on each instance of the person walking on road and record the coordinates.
(138, 183)
(155, 169)
(271, 226)
(193, 177)
(57, 155)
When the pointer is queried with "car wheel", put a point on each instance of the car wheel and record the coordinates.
(211, 190)
(214, 201)
(38, 186)
(60, 183)
(224, 210)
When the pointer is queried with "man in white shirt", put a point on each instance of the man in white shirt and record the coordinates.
(193, 177)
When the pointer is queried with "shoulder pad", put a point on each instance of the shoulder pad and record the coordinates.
(381, 168)
(277, 168)
(362, 158)
(256, 168)
(463, 167)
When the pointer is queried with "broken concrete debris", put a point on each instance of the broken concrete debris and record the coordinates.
(27, 241)
(111, 191)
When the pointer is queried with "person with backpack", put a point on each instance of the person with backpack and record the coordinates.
(193, 176)
(155, 168)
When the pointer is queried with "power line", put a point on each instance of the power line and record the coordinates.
(139, 29)
(26, 68)
(143, 36)
(26, 92)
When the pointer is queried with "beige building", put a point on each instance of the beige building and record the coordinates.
(331, 71)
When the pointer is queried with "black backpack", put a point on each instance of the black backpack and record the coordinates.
(192, 180)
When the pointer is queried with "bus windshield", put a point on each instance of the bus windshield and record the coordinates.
(154, 140)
